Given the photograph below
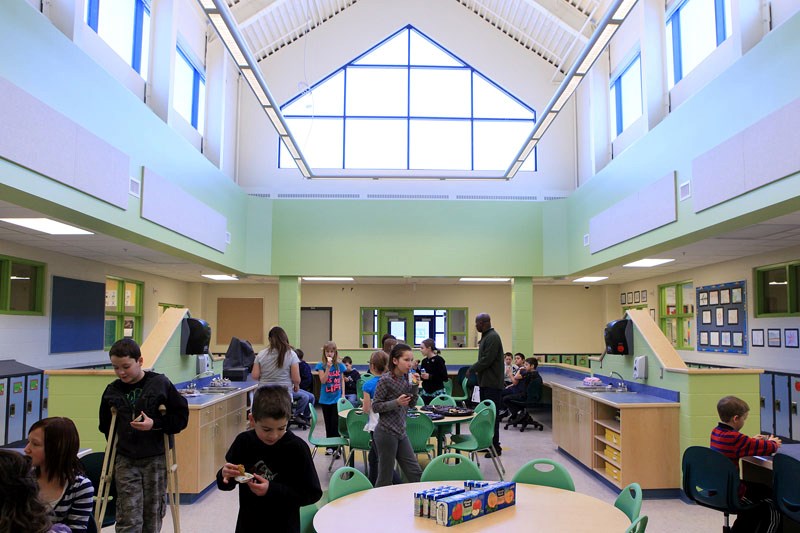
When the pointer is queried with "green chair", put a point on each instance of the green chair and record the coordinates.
(360, 388)
(629, 501)
(341, 405)
(307, 513)
(482, 405)
(325, 442)
(481, 432)
(461, 377)
(359, 439)
(420, 401)
(419, 430)
(638, 525)
(448, 387)
(786, 473)
(458, 469)
(346, 481)
(444, 399)
(545, 472)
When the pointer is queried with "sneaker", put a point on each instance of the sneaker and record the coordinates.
(328, 451)
(488, 455)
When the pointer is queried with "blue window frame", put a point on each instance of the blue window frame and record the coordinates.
(189, 90)
(695, 28)
(408, 104)
(626, 96)
(125, 26)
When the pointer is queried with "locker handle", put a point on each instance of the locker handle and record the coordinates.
(763, 402)
(44, 403)
(12, 410)
(777, 405)
(30, 406)
(794, 408)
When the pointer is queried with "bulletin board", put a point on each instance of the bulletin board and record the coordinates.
(242, 318)
(77, 315)
(722, 318)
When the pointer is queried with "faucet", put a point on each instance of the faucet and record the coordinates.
(622, 380)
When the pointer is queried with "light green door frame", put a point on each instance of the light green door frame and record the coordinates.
(522, 316)
(289, 307)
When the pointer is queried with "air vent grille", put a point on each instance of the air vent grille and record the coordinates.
(496, 197)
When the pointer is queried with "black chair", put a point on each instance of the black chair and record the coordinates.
(712, 480)
(93, 466)
(786, 485)
(528, 406)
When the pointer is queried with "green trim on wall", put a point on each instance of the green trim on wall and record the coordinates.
(289, 307)
(521, 316)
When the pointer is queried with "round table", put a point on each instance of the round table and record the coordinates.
(390, 510)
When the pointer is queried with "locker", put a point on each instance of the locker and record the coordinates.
(782, 410)
(3, 407)
(794, 396)
(767, 404)
(15, 429)
(45, 394)
(33, 400)
(22, 395)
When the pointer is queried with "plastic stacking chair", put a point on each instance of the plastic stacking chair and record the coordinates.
(93, 467)
(545, 472)
(419, 430)
(359, 439)
(448, 387)
(346, 481)
(461, 377)
(786, 485)
(325, 442)
(307, 513)
(638, 525)
(341, 405)
(360, 388)
(481, 429)
(482, 405)
(451, 467)
(629, 501)
(420, 401)
(444, 399)
(710, 479)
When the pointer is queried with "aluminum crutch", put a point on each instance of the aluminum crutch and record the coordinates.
(171, 456)
(106, 473)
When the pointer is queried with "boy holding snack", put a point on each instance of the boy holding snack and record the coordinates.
(271, 465)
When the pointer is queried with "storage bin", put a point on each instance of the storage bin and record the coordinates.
(613, 454)
(612, 471)
(613, 437)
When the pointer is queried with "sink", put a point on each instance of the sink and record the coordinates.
(595, 388)
(217, 390)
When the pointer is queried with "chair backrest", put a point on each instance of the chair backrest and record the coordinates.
(482, 428)
(359, 438)
(360, 387)
(459, 468)
(419, 430)
(420, 401)
(485, 404)
(638, 525)
(785, 484)
(534, 390)
(545, 472)
(93, 467)
(444, 399)
(347, 480)
(461, 374)
(448, 387)
(629, 501)
(341, 405)
(710, 479)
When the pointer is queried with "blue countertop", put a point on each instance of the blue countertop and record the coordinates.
(204, 400)
(616, 399)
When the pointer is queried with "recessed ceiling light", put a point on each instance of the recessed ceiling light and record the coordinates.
(45, 225)
(589, 279)
(327, 278)
(221, 277)
(647, 263)
(489, 280)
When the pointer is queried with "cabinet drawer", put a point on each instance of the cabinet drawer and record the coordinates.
(237, 402)
(613, 454)
(220, 409)
(614, 437)
(612, 471)
(206, 415)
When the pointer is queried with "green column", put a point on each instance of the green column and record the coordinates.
(522, 317)
(289, 307)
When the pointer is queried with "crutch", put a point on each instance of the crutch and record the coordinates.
(106, 473)
(171, 455)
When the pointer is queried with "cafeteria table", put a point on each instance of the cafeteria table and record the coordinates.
(390, 510)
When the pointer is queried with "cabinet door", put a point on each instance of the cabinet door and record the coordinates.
(559, 412)
(235, 423)
(208, 462)
(583, 429)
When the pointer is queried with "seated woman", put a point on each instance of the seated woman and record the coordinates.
(53, 450)
(20, 507)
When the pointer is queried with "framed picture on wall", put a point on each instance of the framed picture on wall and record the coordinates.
(622, 298)
(736, 295)
(713, 297)
(703, 298)
(713, 338)
(705, 318)
(644, 296)
(733, 316)
(704, 338)
(630, 298)
(720, 319)
(725, 338)
(725, 296)
(757, 337)
(636, 297)
(738, 339)
(790, 339)
(653, 314)
(774, 338)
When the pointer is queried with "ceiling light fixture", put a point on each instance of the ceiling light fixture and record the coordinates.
(46, 225)
(327, 278)
(647, 263)
(589, 279)
(222, 277)
(486, 280)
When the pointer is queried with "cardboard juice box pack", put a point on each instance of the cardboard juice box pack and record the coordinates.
(500, 495)
(460, 507)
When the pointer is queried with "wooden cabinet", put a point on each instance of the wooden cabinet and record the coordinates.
(202, 445)
(572, 424)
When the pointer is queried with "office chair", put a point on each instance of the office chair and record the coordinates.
(786, 485)
(528, 406)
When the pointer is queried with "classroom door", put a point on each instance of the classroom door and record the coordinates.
(316, 328)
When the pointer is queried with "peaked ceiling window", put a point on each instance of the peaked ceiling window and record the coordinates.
(408, 104)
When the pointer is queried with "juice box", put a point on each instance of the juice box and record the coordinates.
(460, 508)
(500, 495)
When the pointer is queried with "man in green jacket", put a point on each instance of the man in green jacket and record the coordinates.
(489, 368)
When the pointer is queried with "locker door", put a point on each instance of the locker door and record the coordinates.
(16, 409)
(782, 410)
(45, 394)
(767, 404)
(3, 409)
(794, 395)
(33, 400)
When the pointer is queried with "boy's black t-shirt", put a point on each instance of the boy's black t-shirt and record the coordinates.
(293, 482)
(351, 380)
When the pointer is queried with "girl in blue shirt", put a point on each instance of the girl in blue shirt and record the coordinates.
(330, 372)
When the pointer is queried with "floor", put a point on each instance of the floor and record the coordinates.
(216, 511)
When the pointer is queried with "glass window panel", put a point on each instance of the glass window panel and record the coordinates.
(377, 92)
(392, 52)
(687, 333)
(426, 312)
(112, 296)
(440, 93)
(131, 297)
(369, 341)
(201, 106)
(458, 320)
(670, 57)
(496, 143)
(458, 341)
(128, 327)
(491, 102)
(367, 316)
(439, 145)
(698, 32)
(183, 88)
(145, 64)
(320, 139)
(441, 340)
(424, 52)
(326, 98)
(728, 19)
(631, 88)
(775, 291)
(376, 143)
(421, 331)
(615, 128)
(110, 331)
(687, 298)
(115, 26)
(23, 283)
(440, 323)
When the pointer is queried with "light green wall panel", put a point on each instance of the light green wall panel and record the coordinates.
(289, 306)
(78, 398)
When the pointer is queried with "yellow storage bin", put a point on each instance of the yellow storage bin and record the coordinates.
(612, 471)
(613, 454)
(614, 437)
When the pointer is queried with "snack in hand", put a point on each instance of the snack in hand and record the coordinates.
(241, 470)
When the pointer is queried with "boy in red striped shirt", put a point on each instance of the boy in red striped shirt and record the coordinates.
(727, 439)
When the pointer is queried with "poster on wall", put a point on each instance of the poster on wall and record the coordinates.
(722, 316)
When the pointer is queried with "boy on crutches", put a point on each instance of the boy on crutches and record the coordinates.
(140, 466)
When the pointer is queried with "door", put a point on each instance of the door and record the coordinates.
(316, 328)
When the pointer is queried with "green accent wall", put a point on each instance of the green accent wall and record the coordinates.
(521, 316)
(289, 307)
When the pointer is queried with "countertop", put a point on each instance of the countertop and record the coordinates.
(202, 401)
(615, 399)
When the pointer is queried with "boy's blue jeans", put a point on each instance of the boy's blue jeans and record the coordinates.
(302, 398)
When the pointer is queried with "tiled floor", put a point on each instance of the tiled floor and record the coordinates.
(216, 510)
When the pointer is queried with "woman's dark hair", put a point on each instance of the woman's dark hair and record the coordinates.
(534, 362)
(61, 443)
(431, 344)
(20, 507)
(279, 341)
(397, 351)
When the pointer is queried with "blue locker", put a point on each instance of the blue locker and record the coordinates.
(767, 404)
(782, 406)
(794, 396)
(3, 409)
(15, 429)
(45, 394)
(33, 400)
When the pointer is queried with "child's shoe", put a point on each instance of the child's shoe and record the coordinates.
(328, 451)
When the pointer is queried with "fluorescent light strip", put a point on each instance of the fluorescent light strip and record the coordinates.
(597, 48)
(46, 225)
(487, 280)
(544, 124)
(227, 37)
(19, 278)
(303, 169)
(273, 116)
(589, 279)
(571, 86)
(326, 278)
(221, 277)
(290, 146)
(528, 149)
(623, 9)
(207, 4)
(250, 76)
(647, 263)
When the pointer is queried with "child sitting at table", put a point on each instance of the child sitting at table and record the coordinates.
(283, 474)
(351, 377)
(727, 439)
